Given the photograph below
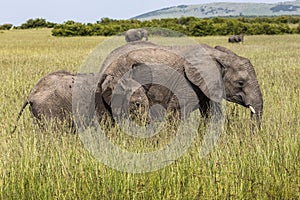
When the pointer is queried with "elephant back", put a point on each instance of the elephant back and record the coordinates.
(125, 49)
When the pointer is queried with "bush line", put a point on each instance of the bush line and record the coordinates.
(190, 26)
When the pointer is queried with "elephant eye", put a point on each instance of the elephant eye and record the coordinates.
(241, 83)
(137, 104)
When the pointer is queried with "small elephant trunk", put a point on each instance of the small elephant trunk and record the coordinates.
(257, 117)
(254, 101)
(256, 112)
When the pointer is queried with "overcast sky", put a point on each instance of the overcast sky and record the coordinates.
(17, 12)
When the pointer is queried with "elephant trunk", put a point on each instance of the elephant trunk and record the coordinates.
(256, 107)
(256, 115)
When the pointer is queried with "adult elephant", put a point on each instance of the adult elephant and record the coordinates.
(236, 38)
(133, 35)
(212, 73)
(71, 100)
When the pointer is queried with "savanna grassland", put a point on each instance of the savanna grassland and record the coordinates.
(47, 164)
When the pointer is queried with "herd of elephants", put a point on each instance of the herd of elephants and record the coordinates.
(140, 75)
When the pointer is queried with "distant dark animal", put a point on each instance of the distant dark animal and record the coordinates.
(236, 38)
(133, 35)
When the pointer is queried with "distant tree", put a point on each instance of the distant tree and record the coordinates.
(36, 23)
(6, 26)
(105, 20)
(190, 26)
(201, 28)
(298, 29)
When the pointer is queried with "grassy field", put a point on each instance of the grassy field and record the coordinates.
(37, 164)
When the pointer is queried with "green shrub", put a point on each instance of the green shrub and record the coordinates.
(189, 26)
(36, 23)
(298, 29)
(6, 26)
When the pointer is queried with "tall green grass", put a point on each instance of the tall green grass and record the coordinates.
(49, 164)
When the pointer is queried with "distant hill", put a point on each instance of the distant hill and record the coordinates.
(225, 10)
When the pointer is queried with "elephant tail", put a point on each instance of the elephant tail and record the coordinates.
(19, 115)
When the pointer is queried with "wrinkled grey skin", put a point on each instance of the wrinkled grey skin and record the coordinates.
(122, 50)
(51, 97)
(133, 35)
(59, 94)
(213, 73)
(127, 96)
(236, 38)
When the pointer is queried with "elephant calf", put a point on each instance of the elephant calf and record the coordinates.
(51, 99)
(60, 94)
(138, 34)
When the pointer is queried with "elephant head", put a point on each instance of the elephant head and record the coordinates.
(240, 82)
(220, 73)
(133, 35)
(122, 94)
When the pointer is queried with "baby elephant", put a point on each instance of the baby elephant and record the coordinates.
(133, 35)
(63, 98)
(51, 98)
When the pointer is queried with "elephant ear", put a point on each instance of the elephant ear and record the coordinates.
(205, 72)
(225, 50)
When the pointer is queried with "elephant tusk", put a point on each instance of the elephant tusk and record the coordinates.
(252, 109)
